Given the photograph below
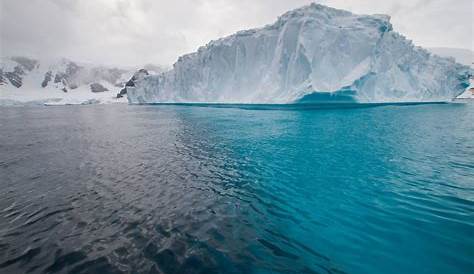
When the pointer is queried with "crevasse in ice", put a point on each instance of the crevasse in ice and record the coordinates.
(311, 54)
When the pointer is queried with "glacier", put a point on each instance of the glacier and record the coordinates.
(311, 54)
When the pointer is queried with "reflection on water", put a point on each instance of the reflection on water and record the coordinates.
(191, 189)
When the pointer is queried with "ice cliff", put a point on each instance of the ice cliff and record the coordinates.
(314, 53)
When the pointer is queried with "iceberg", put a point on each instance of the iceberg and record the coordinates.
(311, 54)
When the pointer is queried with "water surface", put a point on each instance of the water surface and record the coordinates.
(193, 189)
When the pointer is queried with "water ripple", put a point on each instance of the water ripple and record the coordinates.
(177, 189)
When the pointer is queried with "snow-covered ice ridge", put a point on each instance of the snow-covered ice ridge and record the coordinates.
(314, 53)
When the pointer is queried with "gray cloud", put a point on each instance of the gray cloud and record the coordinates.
(131, 32)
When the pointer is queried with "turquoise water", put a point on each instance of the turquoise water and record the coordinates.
(237, 189)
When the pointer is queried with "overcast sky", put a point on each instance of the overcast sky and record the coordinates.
(135, 32)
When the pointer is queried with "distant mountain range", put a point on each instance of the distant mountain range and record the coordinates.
(26, 80)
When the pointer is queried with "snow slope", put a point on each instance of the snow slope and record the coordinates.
(314, 53)
(54, 96)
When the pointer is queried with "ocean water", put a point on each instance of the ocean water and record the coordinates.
(237, 189)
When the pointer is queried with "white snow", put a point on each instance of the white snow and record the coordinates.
(54, 96)
(308, 51)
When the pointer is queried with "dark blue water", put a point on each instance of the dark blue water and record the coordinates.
(193, 189)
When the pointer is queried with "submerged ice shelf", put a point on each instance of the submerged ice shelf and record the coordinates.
(314, 53)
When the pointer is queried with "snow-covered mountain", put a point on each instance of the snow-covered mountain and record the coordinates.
(314, 53)
(27, 80)
(137, 76)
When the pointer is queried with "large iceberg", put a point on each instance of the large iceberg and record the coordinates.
(311, 54)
